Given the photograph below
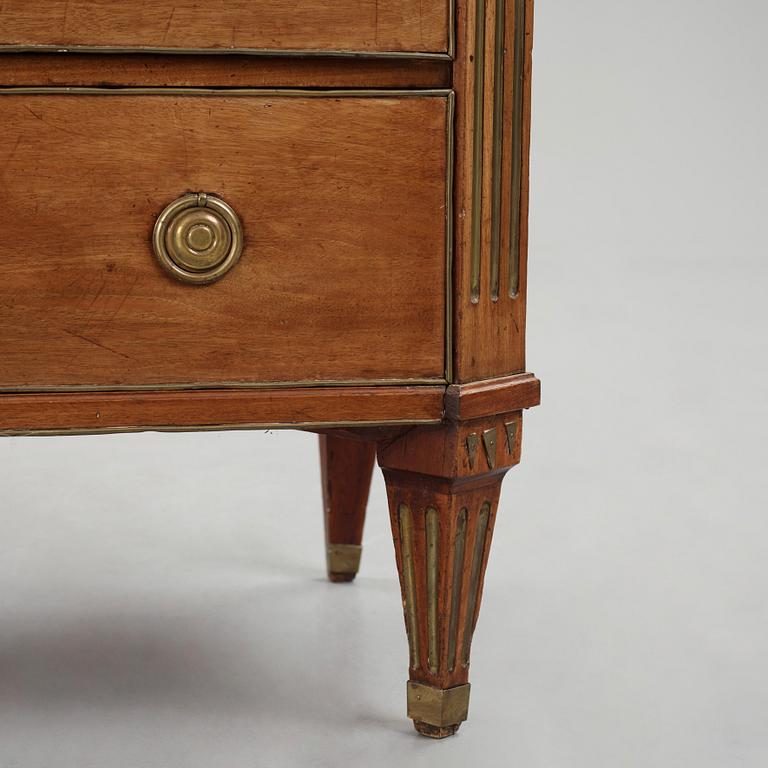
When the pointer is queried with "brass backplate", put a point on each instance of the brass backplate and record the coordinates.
(198, 238)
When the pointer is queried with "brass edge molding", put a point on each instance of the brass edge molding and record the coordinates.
(477, 151)
(405, 524)
(318, 93)
(254, 426)
(451, 29)
(243, 386)
(292, 53)
(445, 93)
(518, 96)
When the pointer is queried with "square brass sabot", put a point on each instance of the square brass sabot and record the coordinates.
(344, 558)
(438, 707)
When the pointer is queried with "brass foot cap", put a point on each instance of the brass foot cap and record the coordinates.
(437, 712)
(435, 731)
(343, 561)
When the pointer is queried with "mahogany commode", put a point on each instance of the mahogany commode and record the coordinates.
(271, 214)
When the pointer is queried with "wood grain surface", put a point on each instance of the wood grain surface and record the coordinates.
(342, 199)
(355, 25)
(215, 409)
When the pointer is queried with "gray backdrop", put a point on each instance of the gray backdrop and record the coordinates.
(163, 602)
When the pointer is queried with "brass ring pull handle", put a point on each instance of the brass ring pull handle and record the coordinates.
(198, 238)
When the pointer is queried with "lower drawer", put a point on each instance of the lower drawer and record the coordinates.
(343, 200)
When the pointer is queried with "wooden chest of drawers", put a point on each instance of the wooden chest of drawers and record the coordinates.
(300, 215)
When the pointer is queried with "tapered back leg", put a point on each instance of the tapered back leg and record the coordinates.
(346, 468)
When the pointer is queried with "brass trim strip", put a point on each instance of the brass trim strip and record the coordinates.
(459, 546)
(293, 53)
(445, 93)
(258, 426)
(236, 385)
(321, 93)
(498, 146)
(451, 29)
(449, 233)
(474, 581)
(433, 556)
(477, 151)
(517, 148)
(405, 522)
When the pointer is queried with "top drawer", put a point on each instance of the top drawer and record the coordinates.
(399, 27)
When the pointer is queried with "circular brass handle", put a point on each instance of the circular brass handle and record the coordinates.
(198, 238)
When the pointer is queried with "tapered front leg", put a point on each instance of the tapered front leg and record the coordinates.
(443, 485)
(346, 467)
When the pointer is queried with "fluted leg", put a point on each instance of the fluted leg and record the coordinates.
(346, 468)
(443, 485)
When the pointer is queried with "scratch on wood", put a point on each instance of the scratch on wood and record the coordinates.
(96, 343)
(124, 298)
(168, 24)
(32, 112)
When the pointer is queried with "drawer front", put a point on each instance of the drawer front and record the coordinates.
(374, 26)
(344, 202)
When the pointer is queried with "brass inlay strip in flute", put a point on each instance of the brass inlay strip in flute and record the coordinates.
(474, 580)
(518, 89)
(498, 146)
(450, 170)
(433, 546)
(405, 521)
(459, 545)
(477, 151)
